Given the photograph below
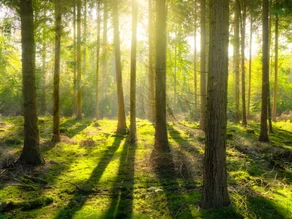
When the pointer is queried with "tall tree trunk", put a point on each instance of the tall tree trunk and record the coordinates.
(195, 64)
(132, 136)
(161, 140)
(84, 38)
(215, 193)
(104, 50)
(243, 24)
(151, 63)
(265, 74)
(250, 68)
(31, 151)
(44, 69)
(121, 106)
(276, 65)
(175, 71)
(203, 66)
(237, 60)
(97, 63)
(270, 68)
(78, 82)
(56, 96)
(74, 66)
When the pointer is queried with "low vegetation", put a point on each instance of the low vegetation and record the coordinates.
(95, 173)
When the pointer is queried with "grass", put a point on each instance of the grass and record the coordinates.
(95, 173)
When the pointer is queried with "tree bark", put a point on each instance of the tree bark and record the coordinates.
(236, 60)
(151, 64)
(75, 60)
(203, 66)
(104, 51)
(121, 106)
(265, 74)
(250, 68)
(97, 63)
(215, 193)
(78, 82)
(31, 151)
(44, 73)
(56, 96)
(195, 64)
(243, 24)
(133, 136)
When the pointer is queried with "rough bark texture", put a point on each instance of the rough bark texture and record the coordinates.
(274, 114)
(236, 59)
(31, 152)
(243, 24)
(121, 106)
(203, 66)
(56, 95)
(265, 74)
(161, 140)
(78, 82)
(132, 136)
(97, 63)
(215, 193)
(151, 64)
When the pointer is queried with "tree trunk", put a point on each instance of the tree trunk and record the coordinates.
(132, 136)
(161, 140)
(243, 24)
(250, 68)
(276, 65)
(215, 193)
(104, 51)
(236, 60)
(74, 66)
(151, 64)
(121, 107)
(97, 63)
(270, 129)
(56, 96)
(78, 83)
(44, 74)
(31, 152)
(195, 64)
(265, 74)
(203, 66)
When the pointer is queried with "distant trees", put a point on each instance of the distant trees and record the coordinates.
(31, 151)
(215, 193)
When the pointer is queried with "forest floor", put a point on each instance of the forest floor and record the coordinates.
(95, 173)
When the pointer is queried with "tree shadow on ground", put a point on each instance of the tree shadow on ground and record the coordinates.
(80, 196)
(72, 126)
(122, 194)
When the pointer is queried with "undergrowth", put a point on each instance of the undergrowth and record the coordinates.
(95, 173)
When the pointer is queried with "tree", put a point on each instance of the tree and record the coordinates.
(161, 141)
(31, 151)
(56, 96)
(215, 193)
(236, 59)
(132, 136)
(265, 73)
(203, 66)
(243, 24)
(78, 81)
(97, 62)
(121, 106)
(250, 66)
(75, 61)
(195, 63)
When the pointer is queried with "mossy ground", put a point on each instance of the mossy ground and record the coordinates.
(95, 173)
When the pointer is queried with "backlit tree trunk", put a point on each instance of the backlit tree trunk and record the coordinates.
(250, 68)
(75, 62)
(78, 82)
(195, 65)
(56, 96)
(31, 152)
(97, 63)
(215, 193)
(132, 136)
(243, 22)
(44, 73)
(236, 59)
(121, 106)
(265, 74)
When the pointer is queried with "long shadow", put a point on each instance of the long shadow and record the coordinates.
(80, 197)
(67, 129)
(177, 203)
(122, 195)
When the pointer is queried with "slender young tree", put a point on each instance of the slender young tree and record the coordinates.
(276, 64)
(78, 81)
(75, 61)
(161, 141)
(203, 66)
(44, 70)
(236, 59)
(121, 106)
(215, 193)
(104, 49)
(56, 95)
(133, 136)
(265, 73)
(97, 62)
(243, 24)
(30, 154)
(250, 67)
(151, 62)
(195, 64)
